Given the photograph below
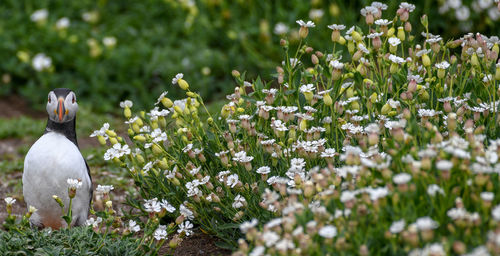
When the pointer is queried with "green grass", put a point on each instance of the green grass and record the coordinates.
(74, 241)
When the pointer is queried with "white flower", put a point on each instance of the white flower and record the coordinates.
(308, 24)
(328, 231)
(487, 196)
(426, 223)
(315, 14)
(383, 22)
(270, 238)
(39, 15)
(152, 205)
(188, 214)
(394, 41)
(186, 227)
(347, 196)
(264, 170)
(280, 28)
(239, 202)
(62, 23)
(379, 5)
(444, 165)
(462, 13)
(242, 157)
(126, 104)
(132, 226)
(433, 189)
(109, 41)
(442, 65)
(397, 226)
(396, 59)
(293, 63)
(9, 200)
(336, 27)
(167, 206)
(307, 88)
(369, 10)
(454, 3)
(162, 95)
(232, 180)
(117, 151)
(336, 64)
(495, 213)
(101, 132)
(247, 225)
(258, 251)
(93, 222)
(74, 183)
(158, 135)
(457, 213)
(374, 35)
(41, 62)
(407, 6)
(177, 77)
(401, 178)
(161, 232)
(104, 189)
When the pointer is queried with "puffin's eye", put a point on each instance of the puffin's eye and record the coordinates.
(49, 99)
(73, 100)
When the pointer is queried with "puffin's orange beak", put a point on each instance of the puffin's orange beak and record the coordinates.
(60, 109)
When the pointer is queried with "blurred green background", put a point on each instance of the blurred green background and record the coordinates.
(108, 50)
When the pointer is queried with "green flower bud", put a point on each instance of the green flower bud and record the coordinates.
(167, 102)
(183, 84)
(327, 99)
(101, 140)
(426, 60)
(140, 138)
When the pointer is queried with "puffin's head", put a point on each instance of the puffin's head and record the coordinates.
(61, 105)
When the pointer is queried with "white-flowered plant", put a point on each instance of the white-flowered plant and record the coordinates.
(391, 150)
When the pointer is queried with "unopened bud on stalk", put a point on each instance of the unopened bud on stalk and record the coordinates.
(303, 32)
(101, 140)
(424, 20)
(391, 32)
(497, 72)
(113, 140)
(426, 60)
(58, 200)
(327, 99)
(235, 73)
(167, 102)
(350, 46)
(342, 40)
(127, 113)
(314, 59)
(157, 149)
(335, 35)
(441, 73)
(140, 138)
(356, 36)
(408, 27)
(401, 34)
(183, 84)
(474, 60)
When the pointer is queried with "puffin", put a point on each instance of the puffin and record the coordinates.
(53, 159)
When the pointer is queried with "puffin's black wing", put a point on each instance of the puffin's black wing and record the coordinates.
(91, 187)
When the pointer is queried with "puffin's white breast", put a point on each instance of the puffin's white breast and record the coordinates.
(49, 163)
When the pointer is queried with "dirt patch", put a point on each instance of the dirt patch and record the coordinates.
(199, 244)
(8, 147)
(14, 106)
